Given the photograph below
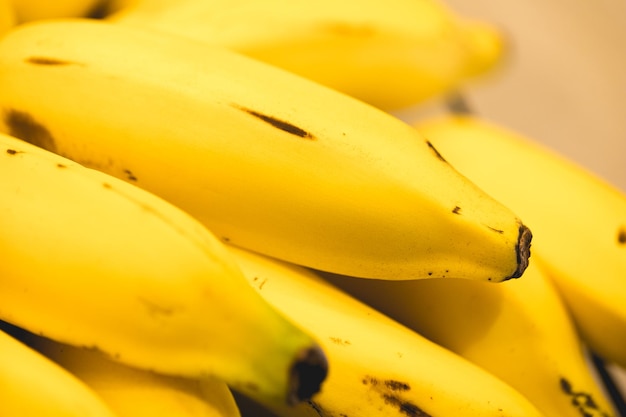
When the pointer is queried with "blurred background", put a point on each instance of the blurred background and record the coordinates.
(565, 82)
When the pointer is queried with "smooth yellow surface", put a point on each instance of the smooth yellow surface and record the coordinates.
(7, 16)
(390, 54)
(32, 385)
(133, 392)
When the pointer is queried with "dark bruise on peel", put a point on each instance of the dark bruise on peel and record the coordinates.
(307, 373)
(44, 60)
(581, 400)
(23, 126)
(621, 235)
(396, 385)
(279, 124)
(129, 175)
(12, 152)
(522, 250)
(390, 391)
(456, 210)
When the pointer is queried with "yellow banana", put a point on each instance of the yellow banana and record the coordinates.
(32, 385)
(109, 7)
(579, 220)
(7, 16)
(377, 367)
(91, 260)
(391, 54)
(133, 392)
(267, 160)
(30, 10)
(518, 330)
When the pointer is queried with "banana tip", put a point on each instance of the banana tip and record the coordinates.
(307, 374)
(523, 250)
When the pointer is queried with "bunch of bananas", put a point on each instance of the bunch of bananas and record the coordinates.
(207, 208)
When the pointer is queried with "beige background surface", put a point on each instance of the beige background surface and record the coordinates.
(565, 84)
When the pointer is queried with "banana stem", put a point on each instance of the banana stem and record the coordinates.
(457, 104)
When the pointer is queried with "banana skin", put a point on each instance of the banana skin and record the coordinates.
(577, 218)
(109, 266)
(377, 367)
(367, 195)
(390, 54)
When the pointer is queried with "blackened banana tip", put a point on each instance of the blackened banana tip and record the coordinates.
(523, 250)
(307, 375)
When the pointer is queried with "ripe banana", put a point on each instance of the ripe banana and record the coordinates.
(33, 385)
(7, 16)
(267, 160)
(30, 10)
(391, 54)
(579, 220)
(377, 366)
(132, 392)
(93, 261)
(518, 330)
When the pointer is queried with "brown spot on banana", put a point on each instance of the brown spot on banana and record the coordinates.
(318, 409)
(23, 126)
(155, 309)
(390, 391)
(456, 210)
(396, 385)
(581, 400)
(435, 151)
(621, 235)
(44, 60)
(277, 123)
(260, 284)
(307, 373)
(129, 175)
(339, 341)
(12, 152)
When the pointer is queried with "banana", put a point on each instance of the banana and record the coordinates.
(93, 261)
(33, 385)
(30, 10)
(132, 392)
(391, 54)
(377, 366)
(579, 219)
(107, 8)
(520, 331)
(271, 162)
(7, 16)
